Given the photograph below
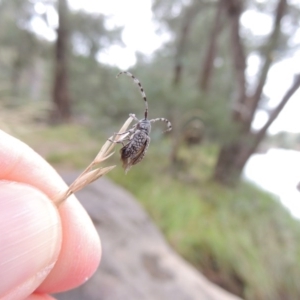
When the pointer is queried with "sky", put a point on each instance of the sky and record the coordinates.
(139, 34)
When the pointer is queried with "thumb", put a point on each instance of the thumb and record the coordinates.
(30, 239)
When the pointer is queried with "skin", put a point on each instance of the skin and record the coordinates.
(43, 249)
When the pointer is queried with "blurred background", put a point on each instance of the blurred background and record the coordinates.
(222, 186)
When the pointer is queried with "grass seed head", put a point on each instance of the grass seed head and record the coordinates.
(94, 170)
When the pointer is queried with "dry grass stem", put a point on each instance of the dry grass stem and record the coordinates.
(91, 173)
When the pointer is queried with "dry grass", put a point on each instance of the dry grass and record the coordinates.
(92, 172)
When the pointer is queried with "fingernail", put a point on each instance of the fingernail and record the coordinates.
(30, 236)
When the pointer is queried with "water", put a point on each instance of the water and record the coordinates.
(278, 172)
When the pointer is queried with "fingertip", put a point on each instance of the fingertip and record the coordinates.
(30, 233)
(80, 252)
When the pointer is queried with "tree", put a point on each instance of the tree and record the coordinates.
(26, 56)
(222, 21)
(61, 94)
(234, 154)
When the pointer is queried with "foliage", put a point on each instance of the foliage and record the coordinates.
(90, 35)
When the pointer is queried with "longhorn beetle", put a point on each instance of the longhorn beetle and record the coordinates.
(138, 136)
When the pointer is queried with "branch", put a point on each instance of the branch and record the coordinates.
(205, 75)
(260, 135)
(268, 60)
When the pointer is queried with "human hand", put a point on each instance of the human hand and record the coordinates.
(43, 249)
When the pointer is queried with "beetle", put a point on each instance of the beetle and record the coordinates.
(138, 136)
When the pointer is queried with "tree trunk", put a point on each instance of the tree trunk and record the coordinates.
(231, 161)
(183, 35)
(234, 156)
(61, 96)
(206, 74)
